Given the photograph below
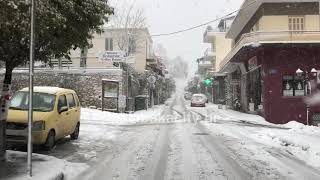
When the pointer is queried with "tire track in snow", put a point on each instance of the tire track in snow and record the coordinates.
(233, 170)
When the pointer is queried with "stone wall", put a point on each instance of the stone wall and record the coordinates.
(87, 83)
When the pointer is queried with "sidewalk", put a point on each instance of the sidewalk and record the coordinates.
(44, 167)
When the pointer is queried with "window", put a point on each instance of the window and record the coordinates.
(62, 102)
(41, 101)
(109, 44)
(132, 45)
(71, 101)
(77, 100)
(294, 86)
(296, 23)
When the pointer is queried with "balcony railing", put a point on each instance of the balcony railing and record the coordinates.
(255, 39)
(209, 52)
(205, 63)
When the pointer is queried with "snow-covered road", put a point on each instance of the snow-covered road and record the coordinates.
(179, 142)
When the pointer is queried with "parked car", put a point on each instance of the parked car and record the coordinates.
(199, 100)
(56, 114)
(187, 95)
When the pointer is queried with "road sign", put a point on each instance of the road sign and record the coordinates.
(152, 79)
(130, 59)
(113, 56)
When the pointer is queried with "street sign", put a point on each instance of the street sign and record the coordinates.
(122, 101)
(113, 56)
(130, 59)
(152, 79)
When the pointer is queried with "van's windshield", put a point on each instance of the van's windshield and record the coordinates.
(41, 101)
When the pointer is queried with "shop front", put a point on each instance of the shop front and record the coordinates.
(273, 86)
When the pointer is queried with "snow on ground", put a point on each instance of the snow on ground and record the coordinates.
(44, 167)
(109, 118)
(294, 138)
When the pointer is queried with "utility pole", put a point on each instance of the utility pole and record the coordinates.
(30, 112)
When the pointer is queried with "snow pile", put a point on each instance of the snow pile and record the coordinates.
(301, 142)
(16, 169)
(231, 115)
(109, 118)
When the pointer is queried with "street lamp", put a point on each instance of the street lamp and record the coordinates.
(314, 72)
(306, 80)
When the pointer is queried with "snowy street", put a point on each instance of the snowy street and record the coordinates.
(176, 141)
(179, 142)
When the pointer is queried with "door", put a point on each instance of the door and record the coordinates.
(73, 111)
(63, 116)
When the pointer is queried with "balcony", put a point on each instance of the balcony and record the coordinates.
(256, 39)
(209, 53)
(209, 36)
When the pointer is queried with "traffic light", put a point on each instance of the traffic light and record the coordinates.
(207, 82)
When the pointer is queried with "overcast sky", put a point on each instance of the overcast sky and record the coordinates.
(166, 16)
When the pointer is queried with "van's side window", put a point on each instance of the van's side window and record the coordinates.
(62, 101)
(71, 101)
(76, 99)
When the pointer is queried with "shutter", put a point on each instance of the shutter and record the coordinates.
(107, 44)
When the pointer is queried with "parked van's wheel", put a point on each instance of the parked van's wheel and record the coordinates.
(51, 141)
(75, 134)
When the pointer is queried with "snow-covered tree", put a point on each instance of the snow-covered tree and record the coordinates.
(59, 27)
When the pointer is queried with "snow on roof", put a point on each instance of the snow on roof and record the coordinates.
(46, 89)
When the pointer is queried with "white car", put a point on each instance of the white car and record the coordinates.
(199, 100)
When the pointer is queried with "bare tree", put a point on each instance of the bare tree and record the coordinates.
(128, 19)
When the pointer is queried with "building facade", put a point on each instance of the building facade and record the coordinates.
(275, 51)
(136, 44)
(220, 46)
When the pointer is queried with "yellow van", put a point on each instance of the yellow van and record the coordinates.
(56, 114)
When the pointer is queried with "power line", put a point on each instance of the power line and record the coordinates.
(203, 24)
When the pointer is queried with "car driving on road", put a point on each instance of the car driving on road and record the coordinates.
(199, 100)
(56, 114)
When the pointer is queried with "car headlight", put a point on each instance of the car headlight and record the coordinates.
(39, 126)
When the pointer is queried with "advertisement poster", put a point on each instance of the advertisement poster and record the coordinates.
(299, 86)
(111, 89)
(288, 85)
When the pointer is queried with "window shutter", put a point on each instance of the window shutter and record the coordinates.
(107, 44)
(111, 44)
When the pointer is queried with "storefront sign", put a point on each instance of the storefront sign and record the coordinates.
(273, 71)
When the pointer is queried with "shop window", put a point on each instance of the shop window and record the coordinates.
(294, 86)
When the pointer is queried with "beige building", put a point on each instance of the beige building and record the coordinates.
(220, 46)
(136, 44)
